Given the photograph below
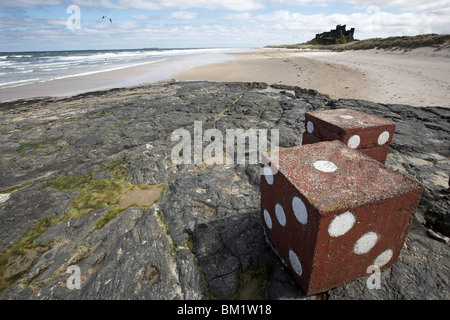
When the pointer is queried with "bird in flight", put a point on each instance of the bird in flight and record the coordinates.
(107, 18)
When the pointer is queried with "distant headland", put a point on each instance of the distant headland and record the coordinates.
(343, 40)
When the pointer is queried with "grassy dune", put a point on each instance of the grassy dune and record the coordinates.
(437, 41)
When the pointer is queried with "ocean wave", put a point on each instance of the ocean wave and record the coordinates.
(20, 56)
(55, 65)
(18, 83)
(55, 69)
(48, 66)
(106, 70)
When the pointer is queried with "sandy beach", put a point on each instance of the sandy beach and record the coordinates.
(419, 78)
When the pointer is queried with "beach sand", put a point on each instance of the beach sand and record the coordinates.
(419, 78)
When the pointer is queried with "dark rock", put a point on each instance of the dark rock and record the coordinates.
(282, 285)
(230, 247)
(203, 238)
(28, 206)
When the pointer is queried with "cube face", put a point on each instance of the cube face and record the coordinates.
(290, 224)
(378, 153)
(332, 212)
(367, 133)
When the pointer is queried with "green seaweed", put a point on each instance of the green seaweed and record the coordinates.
(26, 242)
(25, 148)
(94, 194)
(122, 121)
(112, 199)
(253, 284)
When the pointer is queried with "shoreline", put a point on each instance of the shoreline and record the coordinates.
(121, 77)
(417, 78)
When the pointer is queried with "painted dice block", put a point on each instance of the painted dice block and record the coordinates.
(378, 153)
(368, 134)
(331, 212)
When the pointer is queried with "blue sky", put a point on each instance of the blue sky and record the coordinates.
(49, 25)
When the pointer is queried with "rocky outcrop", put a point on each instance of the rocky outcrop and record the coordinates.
(68, 162)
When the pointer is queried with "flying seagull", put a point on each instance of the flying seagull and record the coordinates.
(107, 18)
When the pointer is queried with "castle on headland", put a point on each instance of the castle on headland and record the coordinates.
(336, 36)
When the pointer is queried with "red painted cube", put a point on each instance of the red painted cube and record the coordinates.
(331, 212)
(366, 133)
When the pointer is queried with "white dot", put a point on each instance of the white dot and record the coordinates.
(341, 224)
(325, 166)
(300, 210)
(383, 258)
(383, 138)
(354, 142)
(344, 116)
(268, 174)
(267, 219)
(279, 212)
(295, 263)
(310, 127)
(365, 243)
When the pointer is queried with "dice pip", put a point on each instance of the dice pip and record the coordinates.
(366, 133)
(331, 212)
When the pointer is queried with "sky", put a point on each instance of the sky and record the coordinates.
(38, 25)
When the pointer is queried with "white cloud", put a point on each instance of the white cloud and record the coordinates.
(30, 3)
(368, 24)
(141, 17)
(183, 15)
(240, 23)
(439, 7)
(301, 3)
(245, 16)
(233, 5)
(422, 6)
(56, 22)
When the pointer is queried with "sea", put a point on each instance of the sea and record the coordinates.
(23, 68)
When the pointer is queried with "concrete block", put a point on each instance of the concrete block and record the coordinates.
(378, 153)
(357, 130)
(331, 212)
